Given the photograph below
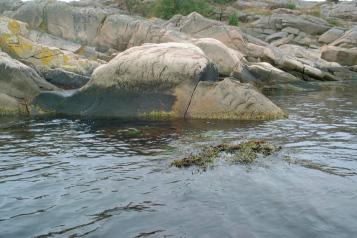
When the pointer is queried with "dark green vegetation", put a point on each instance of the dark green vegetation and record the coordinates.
(243, 153)
(165, 9)
(291, 6)
(233, 20)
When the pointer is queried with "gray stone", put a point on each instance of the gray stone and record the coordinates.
(331, 35)
(64, 79)
(348, 40)
(276, 36)
(291, 30)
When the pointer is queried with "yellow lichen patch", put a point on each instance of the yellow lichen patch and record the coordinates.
(80, 51)
(43, 27)
(66, 59)
(16, 46)
(14, 26)
(93, 57)
(45, 56)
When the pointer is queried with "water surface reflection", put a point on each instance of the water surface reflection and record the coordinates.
(66, 177)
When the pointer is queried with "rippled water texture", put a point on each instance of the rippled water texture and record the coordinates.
(64, 177)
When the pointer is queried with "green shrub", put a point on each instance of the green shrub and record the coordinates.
(334, 21)
(291, 6)
(233, 20)
(167, 8)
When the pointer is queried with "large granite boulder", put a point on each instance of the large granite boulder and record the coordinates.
(6, 5)
(121, 32)
(340, 55)
(19, 84)
(93, 25)
(198, 26)
(160, 81)
(14, 40)
(226, 59)
(343, 10)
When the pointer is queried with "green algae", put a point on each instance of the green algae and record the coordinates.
(133, 132)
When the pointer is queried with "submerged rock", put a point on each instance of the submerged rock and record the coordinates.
(170, 80)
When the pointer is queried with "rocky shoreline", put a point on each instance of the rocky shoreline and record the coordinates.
(95, 60)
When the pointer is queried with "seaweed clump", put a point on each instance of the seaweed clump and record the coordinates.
(247, 152)
(243, 153)
(202, 160)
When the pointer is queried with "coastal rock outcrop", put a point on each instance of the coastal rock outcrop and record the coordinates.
(19, 84)
(14, 40)
(283, 28)
(159, 81)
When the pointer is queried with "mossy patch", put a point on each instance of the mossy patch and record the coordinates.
(243, 153)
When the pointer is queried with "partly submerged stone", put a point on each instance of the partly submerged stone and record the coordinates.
(153, 80)
(230, 99)
(170, 80)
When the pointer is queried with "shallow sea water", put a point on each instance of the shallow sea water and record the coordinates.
(66, 177)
